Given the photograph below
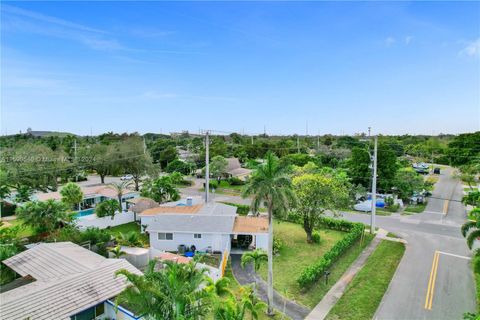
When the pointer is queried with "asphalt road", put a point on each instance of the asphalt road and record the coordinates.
(425, 286)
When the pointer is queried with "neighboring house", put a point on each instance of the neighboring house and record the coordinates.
(212, 227)
(91, 197)
(64, 281)
(234, 169)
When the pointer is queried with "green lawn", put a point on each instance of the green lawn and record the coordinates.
(415, 208)
(477, 285)
(25, 231)
(365, 292)
(127, 227)
(297, 254)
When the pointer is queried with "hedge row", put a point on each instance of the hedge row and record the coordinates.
(242, 209)
(313, 272)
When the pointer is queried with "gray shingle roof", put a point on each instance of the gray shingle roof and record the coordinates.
(192, 223)
(65, 294)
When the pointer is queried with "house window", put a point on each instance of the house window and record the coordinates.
(99, 310)
(197, 236)
(165, 236)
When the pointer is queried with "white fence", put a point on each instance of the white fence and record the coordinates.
(104, 222)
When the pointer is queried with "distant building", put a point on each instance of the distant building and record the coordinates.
(234, 169)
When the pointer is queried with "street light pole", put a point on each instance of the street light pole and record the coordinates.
(374, 188)
(207, 166)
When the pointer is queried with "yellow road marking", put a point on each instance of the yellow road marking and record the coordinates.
(445, 207)
(431, 282)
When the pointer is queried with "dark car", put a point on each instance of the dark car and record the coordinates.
(436, 171)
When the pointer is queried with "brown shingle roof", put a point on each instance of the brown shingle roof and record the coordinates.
(175, 210)
(250, 225)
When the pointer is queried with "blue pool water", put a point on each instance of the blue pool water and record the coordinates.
(85, 212)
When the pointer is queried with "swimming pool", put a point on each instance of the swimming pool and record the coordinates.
(85, 212)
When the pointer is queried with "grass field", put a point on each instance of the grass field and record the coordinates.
(25, 231)
(415, 208)
(298, 254)
(365, 292)
(127, 227)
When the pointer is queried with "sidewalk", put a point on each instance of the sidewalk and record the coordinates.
(322, 309)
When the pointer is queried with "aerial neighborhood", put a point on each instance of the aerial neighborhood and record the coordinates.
(237, 160)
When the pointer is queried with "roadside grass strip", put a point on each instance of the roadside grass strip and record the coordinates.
(365, 292)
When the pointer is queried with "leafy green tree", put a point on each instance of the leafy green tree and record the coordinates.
(359, 167)
(270, 184)
(472, 198)
(43, 216)
(131, 239)
(386, 167)
(178, 165)
(177, 292)
(101, 158)
(167, 155)
(24, 193)
(317, 193)
(135, 160)
(161, 190)
(120, 188)
(72, 195)
(256, 257)
(107, 208)
(218, 167)
(407, 181)
(464, 149)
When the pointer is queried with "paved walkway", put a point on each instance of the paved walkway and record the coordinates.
(247, 276)
(322, 309)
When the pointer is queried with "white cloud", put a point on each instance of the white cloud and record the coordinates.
(389, 41)
(472, 49)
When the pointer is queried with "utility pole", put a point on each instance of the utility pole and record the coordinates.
(318, 142)
(207, 166)
(144, 146)
(369, 128)
(298, 144)
(252, 140)
(75, 157)
(374, 188)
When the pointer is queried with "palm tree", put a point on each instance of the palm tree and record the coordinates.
(177, 292)
(117, 252)
(257, 257)
(119, 187)
(270, 185)
(72, 194)
(251, 302)
(471, 229)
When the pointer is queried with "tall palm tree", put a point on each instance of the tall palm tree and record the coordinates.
(119, 187)
(270, 185)
(256, 257)
(177, 292)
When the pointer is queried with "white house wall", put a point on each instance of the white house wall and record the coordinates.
(93, 221)
(218, 242)
(261, 241)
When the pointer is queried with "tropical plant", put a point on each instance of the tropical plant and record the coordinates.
(6, 251)
(119, 188)
(117, 252)
(471, 228)
(270, 184)
(131, 239)
(43, 216)
(236, 309)
(316, 194)
(256, 257)
(72, 195)
(179, 291)
(472, 198)
(161, 190)
(107, 208)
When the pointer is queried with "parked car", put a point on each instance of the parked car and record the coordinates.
(126, 177)
(436, 171)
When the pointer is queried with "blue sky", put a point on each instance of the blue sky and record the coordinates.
(160, 67)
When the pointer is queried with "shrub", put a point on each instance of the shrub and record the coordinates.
(277, 245)
(316, 237)
(107, 208)
(313, 272)
(234, 181)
